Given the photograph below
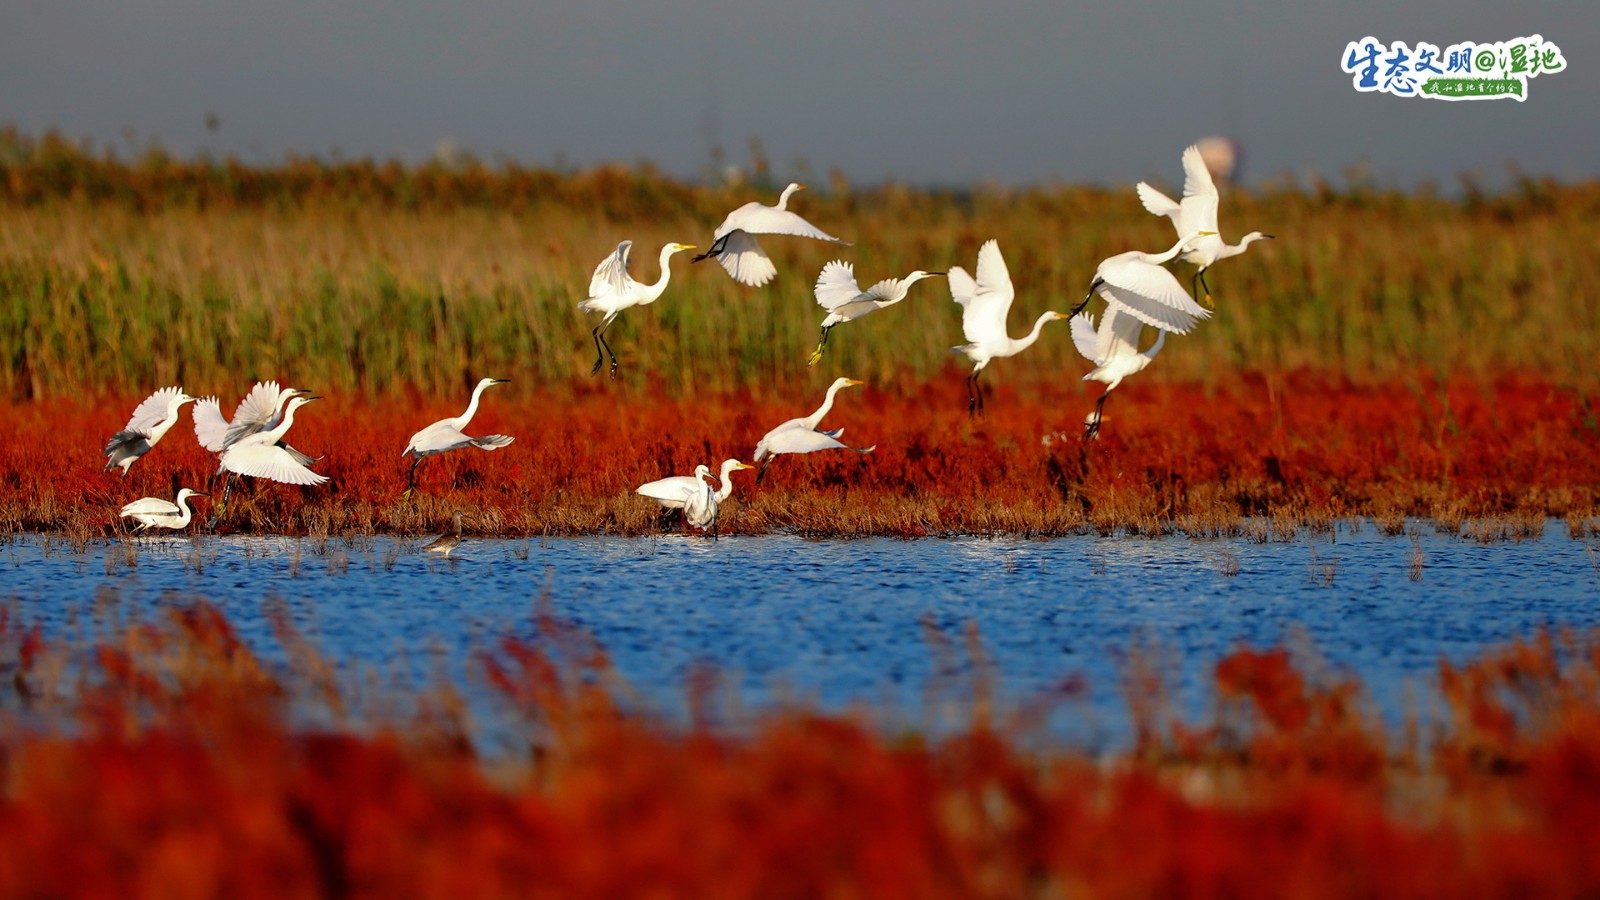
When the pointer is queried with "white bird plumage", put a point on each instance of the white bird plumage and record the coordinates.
(612, 290)
(699, 501)
(260, 455)
(154, 512)
(1136, 284)
(447, 434)
(734, 244)
(1197, 211)
(1114, 350)
(260, 410)
(151, 420)
(800, 435)
(985, 301)
(838, 293)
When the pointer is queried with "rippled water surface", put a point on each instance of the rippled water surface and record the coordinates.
(841, 621)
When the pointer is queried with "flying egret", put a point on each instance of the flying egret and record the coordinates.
(1196, 212)
(260, 455)
(985, 303)
(801, 435)
(446, 434)
(445, 544)
(149, 422)
(735, 247)
(154, 512)
(260, 410)
(1135, 283)
(698, 500)
(838, 293)
(612, 290)
(1114, 349)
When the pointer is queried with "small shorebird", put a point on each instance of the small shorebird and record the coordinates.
(445, 543)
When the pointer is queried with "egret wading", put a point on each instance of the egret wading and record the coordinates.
(1135, 283)
(446, 434)
(838, 293)
(984, 304)
(612, 290)
(1197, 211)
(801, 435)
(151, 420)
(154, 512)
(699, 501)
(1114, 350)
(735, 247)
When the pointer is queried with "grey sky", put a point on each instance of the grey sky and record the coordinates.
(943, 91)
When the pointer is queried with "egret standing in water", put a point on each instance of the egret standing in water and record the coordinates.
(154, 512)
(1135, 283)
(735, 247)
(1196, 212)
(1114, 349)
(801, 435)
(446, 434)
(150, 421)
(612, 290)
(838, 293)
(698, 500)
(984, 304)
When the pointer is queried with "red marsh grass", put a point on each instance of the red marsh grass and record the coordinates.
(160, 757)
(1494, 459)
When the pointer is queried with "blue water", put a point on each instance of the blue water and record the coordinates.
(839, 623)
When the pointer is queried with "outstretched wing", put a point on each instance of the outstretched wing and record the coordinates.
(1158, 203)
(802, 440)
(883, 290)
(1152, 295)
(209, 426)
(836, 286)
(758, 219)
(1085, 338)
(256, 412)
(672, 491)
(611, 276)
(744, 259)
(987, 299)
(1199, 195)
(270, 462)
(152, 411)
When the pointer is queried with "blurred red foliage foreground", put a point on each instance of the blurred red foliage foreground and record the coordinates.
(164, 759)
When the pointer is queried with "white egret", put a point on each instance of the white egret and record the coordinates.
(735, 247)
(801, 435)
(1197, 212)
(150, 421)
(445, 544)
(1135, 283)
(984, 304)
(1114, 349)
(446, 434)
(838, 293)
(154, 512)
(260, 410)
(260, 455)
(612, 290)
(698, 500)
(674, 491)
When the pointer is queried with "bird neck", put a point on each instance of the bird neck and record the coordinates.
(783, 199)
(272, 436)
(652, 291)
(815, 418)
(725, 489)
(184, 513)
(1177, 248)
(1161, 338)
(1026, 341)
(472, 407)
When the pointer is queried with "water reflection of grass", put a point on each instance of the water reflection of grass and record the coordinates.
(159, 755)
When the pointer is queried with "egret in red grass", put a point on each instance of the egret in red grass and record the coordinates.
(151, 420)
(1114, 350)
(801, 435)
(447, 434)
(699, 501)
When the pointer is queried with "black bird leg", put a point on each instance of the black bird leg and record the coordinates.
(713, 250)
(1092, 430)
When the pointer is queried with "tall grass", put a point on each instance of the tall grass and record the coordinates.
(362, 276)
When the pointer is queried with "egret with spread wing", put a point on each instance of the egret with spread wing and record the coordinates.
(1135, 283)
(612, 290)
(1114, 350)
(692, 494)
(150, 421)
(984, 303)
(446, 434)
(154, 512)
(838, 293)
(801, 435)
(735, 246)
(1197, 211)
(261, 455)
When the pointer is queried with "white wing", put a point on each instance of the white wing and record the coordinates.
(1150, 294)
(256, 412)
(209, 425)
(671, 492)
(988, 299)
(755, 218)
(883, 290)
(1158, 203)
(436, 438)
(802, 440)
(268, 461)
(1199, 195)
(152, 411)
(611, 276)
(836, 286)
(150, 506)
(1118, 336)
(744, 259)
(1085, 338)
